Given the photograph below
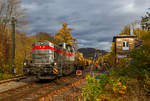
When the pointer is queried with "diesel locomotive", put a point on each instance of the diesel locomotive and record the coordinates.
(50, 61)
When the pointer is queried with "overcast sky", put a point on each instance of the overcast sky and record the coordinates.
(94, 22)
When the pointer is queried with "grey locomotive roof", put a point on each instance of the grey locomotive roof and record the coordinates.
(42, 43)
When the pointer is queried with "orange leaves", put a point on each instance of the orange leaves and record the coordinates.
(65, 25)
(5, 45)
(64, 35)
(118, 87)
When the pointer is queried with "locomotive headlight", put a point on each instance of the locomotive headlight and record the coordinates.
(55, 64)
(25, 64)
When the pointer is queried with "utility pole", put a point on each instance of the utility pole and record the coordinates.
(92, 66)
(13, 23)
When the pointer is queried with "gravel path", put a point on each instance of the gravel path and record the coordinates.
(11, 85)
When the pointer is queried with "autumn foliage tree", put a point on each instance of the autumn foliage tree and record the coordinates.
(64, 35)
(44, 36)
(110, 56)
(8, 9)
(126, 30)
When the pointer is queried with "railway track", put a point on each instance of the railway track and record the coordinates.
(18, 77)
(37, 90)
(66, 93)
(61, 89)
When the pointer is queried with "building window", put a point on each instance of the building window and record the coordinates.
(125, 45)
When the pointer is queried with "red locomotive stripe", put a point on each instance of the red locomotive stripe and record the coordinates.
(58, 51)
(43, 47)
(69, 54)
(53, 49)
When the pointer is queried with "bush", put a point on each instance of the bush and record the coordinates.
(95, 87)
(5, 68)
(140, 62)
(147, 84)
(104, 84)
(118, 85)
(5, 76)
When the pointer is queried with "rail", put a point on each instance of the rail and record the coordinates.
(17, 77)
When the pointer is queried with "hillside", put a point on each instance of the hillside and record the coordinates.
(89, 52)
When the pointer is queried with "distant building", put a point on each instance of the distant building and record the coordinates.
(124, 44)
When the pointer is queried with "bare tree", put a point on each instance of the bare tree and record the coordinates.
(9, 9)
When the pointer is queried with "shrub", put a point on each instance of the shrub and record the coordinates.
(5, 76)
(6, 68)
(118, 85)
(95, 87)
(147, 84)
(140, 62)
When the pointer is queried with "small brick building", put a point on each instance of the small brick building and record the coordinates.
(123, 45)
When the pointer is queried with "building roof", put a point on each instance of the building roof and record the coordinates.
(123, 36)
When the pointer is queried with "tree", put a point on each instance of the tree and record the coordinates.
(110, 56)
(126, 30)
(64, 35)
(9, 9)
(143, 35)
(145, 21)
(44, 36)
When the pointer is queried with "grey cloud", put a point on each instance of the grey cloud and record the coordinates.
(94, 21)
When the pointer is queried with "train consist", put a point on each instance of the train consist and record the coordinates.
(50, 61)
